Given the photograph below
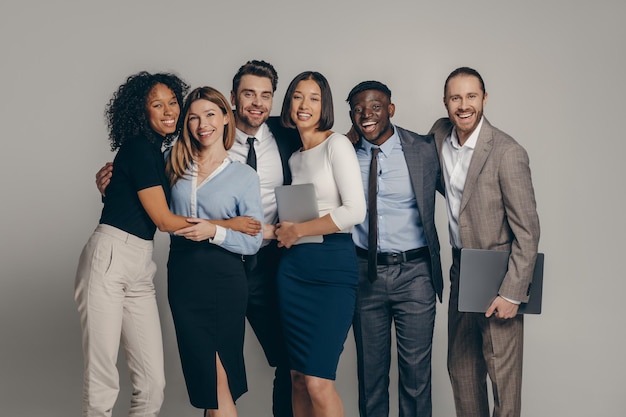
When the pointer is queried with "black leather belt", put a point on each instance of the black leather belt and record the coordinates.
(395, 258)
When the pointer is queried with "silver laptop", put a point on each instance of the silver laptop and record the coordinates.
(298, 203)
(481, 274)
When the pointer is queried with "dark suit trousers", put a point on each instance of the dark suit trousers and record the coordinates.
(264, 318)
(402, 294)
(480, 346)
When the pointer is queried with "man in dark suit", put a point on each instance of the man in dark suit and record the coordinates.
(261, 141)
(252, 95)
(491, 205)
(402, 279)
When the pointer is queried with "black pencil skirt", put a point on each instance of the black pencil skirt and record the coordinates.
(208, 294)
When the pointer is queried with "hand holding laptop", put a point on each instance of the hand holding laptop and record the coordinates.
(287, 234)
(502, 309)
(481, 274)
(296, 204)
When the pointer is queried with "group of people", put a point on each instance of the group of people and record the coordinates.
(231, 257)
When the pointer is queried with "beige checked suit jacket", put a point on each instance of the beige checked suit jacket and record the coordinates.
(498, 208)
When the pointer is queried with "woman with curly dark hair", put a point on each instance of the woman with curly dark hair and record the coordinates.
(114, 287)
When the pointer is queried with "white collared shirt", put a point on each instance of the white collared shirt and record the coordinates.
(269, 166)
(456, 162)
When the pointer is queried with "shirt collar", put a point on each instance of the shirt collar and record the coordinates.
(471, 141)
(242, 137)
(157, 141)
(386, 147)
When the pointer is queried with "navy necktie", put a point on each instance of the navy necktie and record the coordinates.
(251, 160)
(372, 212)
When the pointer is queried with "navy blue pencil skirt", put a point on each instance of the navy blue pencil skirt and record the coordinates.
(317, 284)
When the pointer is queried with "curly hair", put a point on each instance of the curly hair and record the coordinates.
(126, 114)
(185, 150)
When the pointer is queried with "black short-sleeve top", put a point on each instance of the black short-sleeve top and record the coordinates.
(139, 164)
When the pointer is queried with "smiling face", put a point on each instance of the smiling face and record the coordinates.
(162, 110)
(306, 105)
(370, 112)
(253, 102)
(206, 123)
(464, 101)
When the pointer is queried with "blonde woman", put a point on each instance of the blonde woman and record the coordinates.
(207, 286)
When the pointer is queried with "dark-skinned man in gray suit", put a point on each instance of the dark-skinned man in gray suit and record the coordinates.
(402, 281)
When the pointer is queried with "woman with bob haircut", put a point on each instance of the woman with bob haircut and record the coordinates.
(114, 287)
(317, 282)
(207, 286)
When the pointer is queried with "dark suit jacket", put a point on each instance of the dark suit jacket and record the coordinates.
(498, 209)
(288, 141)
(424, 172)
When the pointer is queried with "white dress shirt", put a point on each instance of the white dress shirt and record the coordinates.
(456, 162)
(269, 166)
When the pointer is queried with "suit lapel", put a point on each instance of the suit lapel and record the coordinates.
(415, 165)
(484, 144)
(441, 131)
(286, 141)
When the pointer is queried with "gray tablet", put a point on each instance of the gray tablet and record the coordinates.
(481, 274)
(298, 203)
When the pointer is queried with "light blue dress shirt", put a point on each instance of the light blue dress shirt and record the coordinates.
(399, 223)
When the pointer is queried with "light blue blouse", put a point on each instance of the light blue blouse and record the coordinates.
(232, 190)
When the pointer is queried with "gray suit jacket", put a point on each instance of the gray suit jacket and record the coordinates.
(425, 172)
(498, 209)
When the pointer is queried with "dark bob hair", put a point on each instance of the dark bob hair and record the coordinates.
(327, 118)
(126, 113)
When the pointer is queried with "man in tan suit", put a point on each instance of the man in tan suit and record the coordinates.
(491, 205)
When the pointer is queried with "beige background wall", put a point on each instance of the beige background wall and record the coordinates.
(554, 73)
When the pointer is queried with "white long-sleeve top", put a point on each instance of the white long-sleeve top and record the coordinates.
(332, 167)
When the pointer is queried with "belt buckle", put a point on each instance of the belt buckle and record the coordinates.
(395, 258)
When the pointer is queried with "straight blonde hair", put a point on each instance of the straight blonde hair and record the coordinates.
(184, 151)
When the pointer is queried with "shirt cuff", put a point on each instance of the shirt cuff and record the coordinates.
(220, 236)
(507, 299)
